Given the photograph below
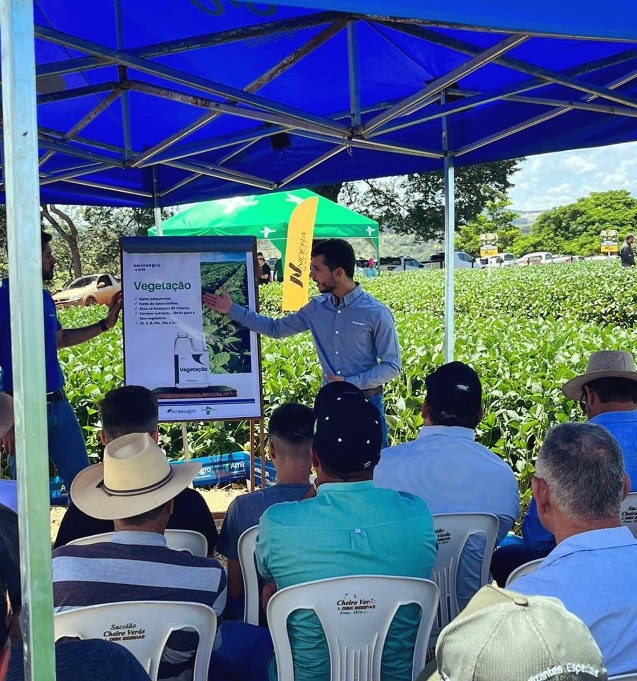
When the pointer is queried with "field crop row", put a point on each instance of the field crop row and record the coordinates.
(522, 350)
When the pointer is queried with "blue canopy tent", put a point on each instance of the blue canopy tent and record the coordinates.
(152, 104)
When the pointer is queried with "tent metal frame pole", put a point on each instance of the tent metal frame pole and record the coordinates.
(474, 101)
(57, 135)
(205, 146)
(84, 121)
(254, 86)
(71, 174)
(573, 104)
(122, 72)
(270, 116)
(519, 65)
(71, 150)
(353, 63)
(109, 188)
(449, 262)
(184, 78)
(194, 43)
(76, 92)
(536, 120)
(312, 164)
(430, 93)
(27, 332)
(223, 174)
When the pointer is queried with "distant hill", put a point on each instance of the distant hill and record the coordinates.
(526, 219)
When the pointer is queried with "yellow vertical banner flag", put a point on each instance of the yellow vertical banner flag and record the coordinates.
(298, 255)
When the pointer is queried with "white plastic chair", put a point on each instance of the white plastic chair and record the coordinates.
(246, 548)
(143, 627)
(355, 613)
(628, 513)
(452, 532)
(179, 540)
(526, 569)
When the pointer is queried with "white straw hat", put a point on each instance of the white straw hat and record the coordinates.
(602, 364)
(134, 478)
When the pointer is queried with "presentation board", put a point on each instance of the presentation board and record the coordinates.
(200, 364)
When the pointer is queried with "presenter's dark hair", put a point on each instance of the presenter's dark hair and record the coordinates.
(45, 237)
(131, 409)
(337, 253)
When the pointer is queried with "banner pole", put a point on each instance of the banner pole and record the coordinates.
(262, 451)
(252, 480)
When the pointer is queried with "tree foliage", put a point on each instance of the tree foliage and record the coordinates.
(496, 217)
(575, 228)
(414, 204)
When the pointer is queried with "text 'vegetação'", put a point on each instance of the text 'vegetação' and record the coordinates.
(162, 286)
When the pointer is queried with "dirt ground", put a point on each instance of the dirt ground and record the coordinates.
(217, 498)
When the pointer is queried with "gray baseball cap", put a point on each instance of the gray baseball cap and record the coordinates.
(505, 636)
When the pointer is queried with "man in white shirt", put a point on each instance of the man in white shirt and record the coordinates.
(578, 487)
(447, 468)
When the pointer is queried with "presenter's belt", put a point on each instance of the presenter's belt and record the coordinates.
(370, 392)
(55, 396)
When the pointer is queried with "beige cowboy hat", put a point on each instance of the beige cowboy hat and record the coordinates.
(134, 478)
(602, 364)
(6, 413)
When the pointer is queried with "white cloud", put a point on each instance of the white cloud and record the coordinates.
(556, 179)
(578, 163)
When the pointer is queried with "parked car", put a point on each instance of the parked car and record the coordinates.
(460, 260)
(500, 260)
(399, 263)
(539, 258)
(94, 289)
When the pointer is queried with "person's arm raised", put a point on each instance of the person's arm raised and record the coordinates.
(68, 337)
(266, 326)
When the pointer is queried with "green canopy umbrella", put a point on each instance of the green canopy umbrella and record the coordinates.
(266, 216)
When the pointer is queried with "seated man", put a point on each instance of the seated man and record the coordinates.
(135, 487)
(607, 392)
(447, 468)
(133, 409)
(578, 487)
(290, 432)
(504, 636)
(350, 528)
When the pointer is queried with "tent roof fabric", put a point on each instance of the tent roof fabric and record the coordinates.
(267, 216)
(178, 101)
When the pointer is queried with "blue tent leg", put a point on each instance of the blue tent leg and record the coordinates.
(450, 219)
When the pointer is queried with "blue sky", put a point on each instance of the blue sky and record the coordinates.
(556, 179)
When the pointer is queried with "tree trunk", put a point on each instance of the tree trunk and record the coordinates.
(69, 235)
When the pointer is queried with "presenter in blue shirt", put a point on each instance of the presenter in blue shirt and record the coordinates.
(67, 449)
(354, 333)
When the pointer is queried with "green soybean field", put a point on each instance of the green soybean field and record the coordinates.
(526, 331)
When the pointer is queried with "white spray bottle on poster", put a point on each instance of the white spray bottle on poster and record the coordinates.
(191, 362)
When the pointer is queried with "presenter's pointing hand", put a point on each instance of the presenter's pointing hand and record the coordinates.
(221, 303)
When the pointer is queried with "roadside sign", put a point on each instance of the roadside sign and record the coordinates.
(610, 243)
(488, 244)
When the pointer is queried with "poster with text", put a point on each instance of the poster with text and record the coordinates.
(199, 363)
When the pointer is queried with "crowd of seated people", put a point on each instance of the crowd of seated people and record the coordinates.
(369, 512)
